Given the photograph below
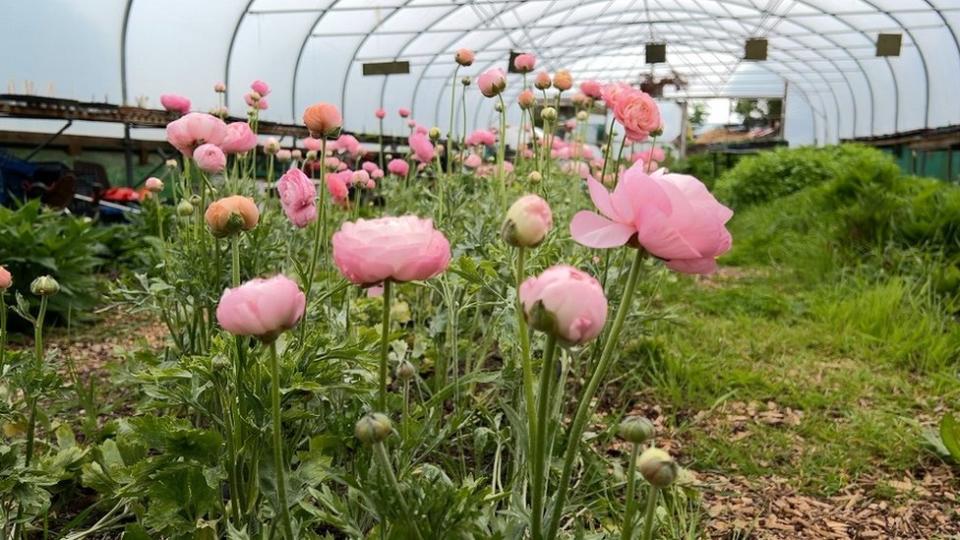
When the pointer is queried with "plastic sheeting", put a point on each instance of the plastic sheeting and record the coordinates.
(821, 54)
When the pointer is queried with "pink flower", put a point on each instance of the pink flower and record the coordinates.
(262, 104)
(359, 178)
(376, 174)
(473, 161)
(524, 63)
(673, 216)
(219, 88)
(284, 154)
(175, 103)
(562, 80)
(566, 303)
(332, 163)
(153, 184)
(238, 139)
(611, 92)
(398, 167)
(313, 145)
(298, 197)
(491, 82)
(651, 157)
(421, 147)
(251, 99)
(481, 136)
(464, 57)
(323, 120)
(260, 87)
(347, 144)
(411, 124)
(637, 112)
(591, 88)
(526, 99)
(261, 307)
(369, 166)
(296, 153)
(380, 113)
(528, 221)
(337, 188)
(210, 158)
(194, 129)
(404, 112)
(6, 280)
(403, 248)
(542, 80)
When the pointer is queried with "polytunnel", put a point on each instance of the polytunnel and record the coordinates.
(822, 55)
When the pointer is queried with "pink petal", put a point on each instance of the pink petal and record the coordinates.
(601, 198)
(596, 231)
(706, 265)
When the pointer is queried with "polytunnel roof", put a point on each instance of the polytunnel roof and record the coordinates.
(821, 53)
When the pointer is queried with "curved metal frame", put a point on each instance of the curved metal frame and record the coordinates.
(123, 50)
(233, 40)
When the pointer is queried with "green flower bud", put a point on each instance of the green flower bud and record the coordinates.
(498, 107)
(194, 200)
(373, 428)
(535, 177)
(636, 429)
(184, 208)
(549, 114)
(44, 286)
(582, 115)
(406, 371)
(657, 467)
(434, 133)
(465, 81)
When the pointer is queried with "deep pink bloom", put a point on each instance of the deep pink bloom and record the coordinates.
(403, 248)
(524, 63)
(421, 147)
(175, 103)
(313, 145)
(637, 112)
(210, 158)
(262, 104)
(6, 280)
(193, 129)
(464, 57)
(591, 88)
(239, 138)
(491, 82)
(298, 197)
(565, 302)
(404, 112)
(369, 166)
(673, 216)
(398, 167)
(337, 188)
(380, 113)
(261, 307)
(260, 87)
(481, 136)
(473, 161)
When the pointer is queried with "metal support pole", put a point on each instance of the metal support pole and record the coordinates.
(684, 119)
(128, 154)
(49, 140)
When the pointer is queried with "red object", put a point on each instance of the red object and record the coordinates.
(121, 194)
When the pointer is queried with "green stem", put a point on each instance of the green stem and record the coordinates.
(379, 141)
(453, 99)
(606, 151)
(384, 346)
(38, 359)
(235, 253)
(653, 144)
(3, 329)
(539, 459)
(463, 136)
(526, 363)
(648, 517)
(380, 454)
(278, 464)
(585, 408)
(626, 532)
(312, 266)
(501, 150)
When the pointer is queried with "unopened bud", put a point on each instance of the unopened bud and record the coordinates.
(636, 429)
(44, 286)
(373, 428)
(582, 116)
(434, 133)
(194, 199)
(549, 114)
(465, 81)
(184, 208)
(535, 177)
(406, 371)
(657, 467)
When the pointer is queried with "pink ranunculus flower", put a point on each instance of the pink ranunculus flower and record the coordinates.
(262, 104)
(220, 87)
(421, 147)
(251, 99)
(566, 303)
(175, 103)
(591, 88)
(528, 221)
(323, 120)
(239, 138)
(264, 308)
(672, 216)
(298, 197)
(337, 188)
(526, 99)
(651, 157)
(404, 112)
(638, 113)
(524, 63)
(6, 280)
(153, 184)
(542, 80)
(312, 144)
(284, 154)
(210, 158)
(376, 174)
(611, 93)
(332, 163)
(348, 144)
(491, 82)
(260, 87)
(481, 136)
(380, 113)
(473, 161)
(464, 57)
(359, 178)
(194, 129)
(369, 166)
(404, 248)
(398, 167)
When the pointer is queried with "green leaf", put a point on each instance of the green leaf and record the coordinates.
(950, 433)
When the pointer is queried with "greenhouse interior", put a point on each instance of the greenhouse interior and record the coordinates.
(480, 269)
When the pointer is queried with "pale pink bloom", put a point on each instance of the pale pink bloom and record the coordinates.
(298, 197)
(312, 144)
(528, 221)
(473, 161)
(591, 88)
(655, 155)
(337, 188)
(194, 129)
(566, 303)
(672, 216)
(611, 92)
(398, 167)
(637, 112)
(323, 120)
(404, 112)
(524, 63)
(421, 147)
(219, 88)
(507, 167)
(369, 166)
(262, 104)
(222, 112)
(6, 280)
(284, 154)
(347, 144)
(570, 124)
(239, 138)
(260, 87)
(175, 103)
(341, 166)
(491, 82)
(359, 178)
(371, 184)
(332, 163)
(261, 307)
(581, 100)
(411, 124)
(376, 174)
(296, 153)
(375, 292)
(481, 136)
(251, 99)
(210, 158)
(465, 57)
(153, 184)
(527, 153)
(404, 248)
(542, 80)
(380, 113)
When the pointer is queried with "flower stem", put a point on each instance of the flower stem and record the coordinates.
(278, 464)
(538, 461)
(606, 152)
(384, 346)
(501, 150)
(648, 517)
(653, 144)
(38, 358)
(317, 234)
(3, 329)
(380, 454)
(626, 531)
(585, 408)
(526, 363)
(323, 158)
(235, 267)
(453, 100)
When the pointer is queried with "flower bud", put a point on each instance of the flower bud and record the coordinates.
(44, 286)
(219, 88)
(657, 467)
(434, 134)
(311, 155)
(582, 116)
(406, 371)
(562, 80)
(465, 81)
(231, 215)
(564, 302)
(498, 107)
(636, 429)
(153, 184)
(296, 153)
(465, 57)
(184, 208)
(526, 99)
(373, 428)
(172, 164)
(549, 114)
(542, 80)
(271, 146)
(528, 221)
(6, 280)
(194, 199)
(535, 177)
(323, 120)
